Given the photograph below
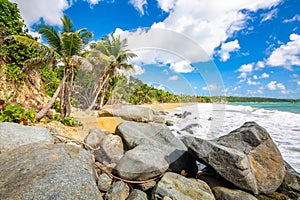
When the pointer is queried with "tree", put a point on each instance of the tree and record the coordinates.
(64, 47)
(117, 55)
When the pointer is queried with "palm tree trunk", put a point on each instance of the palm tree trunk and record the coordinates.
(97, 93)
(44, 111)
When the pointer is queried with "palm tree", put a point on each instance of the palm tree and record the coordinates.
(63, 47)
(115, 51)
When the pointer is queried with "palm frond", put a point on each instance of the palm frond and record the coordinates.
(33, 43)
(71, 44)
(85, 35)
(52, 37)
(37, 62)
(68, 25)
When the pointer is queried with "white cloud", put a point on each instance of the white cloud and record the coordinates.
(166, 5)
(211, 87)
(207, 23)
(173, 78)
(139, 5)
(228, 47)
(49, 11)
(255, 77)
(273, 85)
(250, 82)
(269, 15)
(286, 55)
(236, 88)
(245, 70)
(298, 83)
(160, 87)
(259, 65)
(166, 71)
(264, 75)
(93, 2)
(181, 67)
(137, 70)
(295, 18)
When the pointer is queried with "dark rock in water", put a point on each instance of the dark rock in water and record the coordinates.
(137, 195)
(133, 113)
(104, 182)
(94, 137)
(161, 137)
(142, 163)
(222, 193)
(183, 115)
(189, 128)
(176, 186)
(158, 119)
(111, 149)
(246, 157)
(13, 135)
(48, 171)
(210, 118)
(168, 123)
(118, 191)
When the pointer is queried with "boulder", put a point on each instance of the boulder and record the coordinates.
(48, 171)
(133, 113)
(13, 135)
(146, 186)
(222, 193)
(176, 186)
(111, 149)
(137, 195)
(159, 136)
(142, 163)
(118, 191)
(246, 157)
(104, 182)
(94, 137)
(291, 180)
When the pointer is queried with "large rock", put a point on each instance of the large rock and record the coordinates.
(133, 113)
(176, 186)
(142, 163)
(159, 136)
(104, 182)
(48, 171)
(110, 149)
(247, 157)
(222, 193)
(13, 135)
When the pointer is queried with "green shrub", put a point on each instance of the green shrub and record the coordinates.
(17, 114)
(68, 121)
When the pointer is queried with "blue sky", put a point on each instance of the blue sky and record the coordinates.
(201, 47)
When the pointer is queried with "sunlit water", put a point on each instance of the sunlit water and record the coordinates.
(213, 120)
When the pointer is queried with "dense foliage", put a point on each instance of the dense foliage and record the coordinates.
(13, 53)
(16, 114)
(258, 99)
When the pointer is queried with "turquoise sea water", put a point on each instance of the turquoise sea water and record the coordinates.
(280, 106)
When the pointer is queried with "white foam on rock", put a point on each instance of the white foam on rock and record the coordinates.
(215, 120)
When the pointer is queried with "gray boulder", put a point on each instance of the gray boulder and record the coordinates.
(159, 136)
(176, 186)
(118, 191)
(104, 182)
(142, 163)
(137, 195)
(222, 193)
(133, 113)
(13, 135)
(291, 180)
(94, 137)
(246, 157)
(48, 171)
(111, 149)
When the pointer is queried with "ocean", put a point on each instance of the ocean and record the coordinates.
(209, 121)
(280, 106)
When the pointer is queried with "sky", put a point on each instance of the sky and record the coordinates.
(195, 47)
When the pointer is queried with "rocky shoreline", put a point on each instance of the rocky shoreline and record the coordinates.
(142, 160)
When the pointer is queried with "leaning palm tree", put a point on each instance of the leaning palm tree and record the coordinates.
(63, 47)
(115, 51)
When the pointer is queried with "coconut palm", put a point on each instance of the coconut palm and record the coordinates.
(63, 47)
(116, 50)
